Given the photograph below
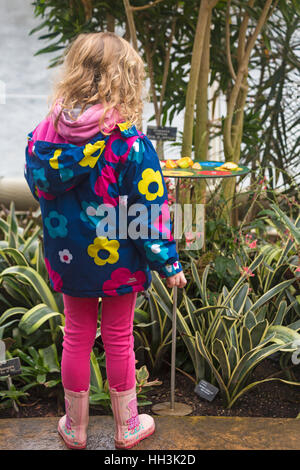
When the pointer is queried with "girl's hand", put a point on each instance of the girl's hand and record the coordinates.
(178, 280)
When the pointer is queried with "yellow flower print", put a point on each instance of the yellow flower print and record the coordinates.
(124, 126)
(150, 176)
(89, 159)
(54, 160)
(102, 243)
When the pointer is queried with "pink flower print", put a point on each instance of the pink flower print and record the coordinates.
(68, 420)
(54, 277)
(108, 176)
(46, 196)
(297, 269)
(247, 271)
(133, 420)
(162, 222)
(30, 146)
(118, 150)
(253, 244)
(121, 277)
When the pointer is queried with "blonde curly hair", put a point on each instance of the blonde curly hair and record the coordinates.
(101, 68)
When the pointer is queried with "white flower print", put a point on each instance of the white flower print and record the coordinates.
(155, 248)
(65, 256)
(136, 146)
(91, 211)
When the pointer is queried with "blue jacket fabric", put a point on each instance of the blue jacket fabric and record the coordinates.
(101, 234)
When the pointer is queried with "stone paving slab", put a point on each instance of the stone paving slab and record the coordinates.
(172, 433)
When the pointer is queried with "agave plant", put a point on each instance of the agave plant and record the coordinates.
(155, 336)
(240, 336)
(228, 339)
(24, 278)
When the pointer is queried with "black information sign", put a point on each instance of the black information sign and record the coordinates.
(206, 390)
(161, 133)
(10, 367)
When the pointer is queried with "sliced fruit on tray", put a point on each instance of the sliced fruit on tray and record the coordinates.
(229, 166)
(197, 166)
(185, 162)
(171, 164)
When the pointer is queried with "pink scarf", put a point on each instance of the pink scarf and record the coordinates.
(78, 131)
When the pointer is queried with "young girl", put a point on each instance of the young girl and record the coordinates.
(97, 179)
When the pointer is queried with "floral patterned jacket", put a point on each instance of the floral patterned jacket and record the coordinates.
(97, 204)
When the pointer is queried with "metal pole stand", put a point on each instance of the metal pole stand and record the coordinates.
(172, 408)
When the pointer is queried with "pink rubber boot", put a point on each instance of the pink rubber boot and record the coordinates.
(130, 427)
(73, 425)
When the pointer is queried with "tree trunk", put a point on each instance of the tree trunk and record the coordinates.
(110, 22)
(201, 128)
(131, 25)
(193, 79)
(233, 124)
(160, 143)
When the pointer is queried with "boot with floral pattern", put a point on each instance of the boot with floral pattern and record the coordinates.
(130, 427)
(73, 425)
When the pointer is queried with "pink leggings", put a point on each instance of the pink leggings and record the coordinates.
(117, 336)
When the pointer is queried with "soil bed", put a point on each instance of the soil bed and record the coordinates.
(270, 399)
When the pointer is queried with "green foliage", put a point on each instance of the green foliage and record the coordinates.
(236, 334)
(227, 332)
(240, 306)
(99, 387)
(42, 366)
(272, 97)
(271, 115)
(32, 316)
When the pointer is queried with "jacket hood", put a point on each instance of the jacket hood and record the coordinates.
(52, 169)
(75, 128)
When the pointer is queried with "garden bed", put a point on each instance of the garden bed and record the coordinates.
(270, 400)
